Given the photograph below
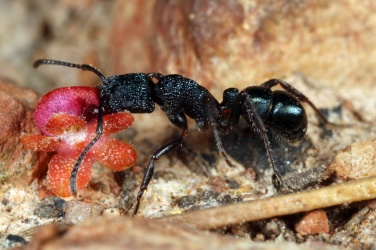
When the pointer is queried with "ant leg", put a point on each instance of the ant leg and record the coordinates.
(254, 119)
(210, 109)
(76, 167)
(299, 95)
(219, 144)
(180, 121)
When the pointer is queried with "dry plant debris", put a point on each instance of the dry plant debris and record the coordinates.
(129, 233)
(352, 191)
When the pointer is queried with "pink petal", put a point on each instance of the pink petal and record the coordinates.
(40, 142)
(77, 101)
(112, 123)
(62, 122)
(117, 122)
(114, 154)
(59, 172)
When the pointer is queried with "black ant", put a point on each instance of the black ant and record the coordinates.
(178, 97)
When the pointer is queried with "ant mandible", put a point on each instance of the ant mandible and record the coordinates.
(178, 97)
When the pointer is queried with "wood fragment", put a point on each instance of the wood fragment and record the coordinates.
(352, 191)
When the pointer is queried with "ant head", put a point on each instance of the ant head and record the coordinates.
(288, 117)
(131, 92)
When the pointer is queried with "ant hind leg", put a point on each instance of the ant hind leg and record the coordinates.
(296, 93)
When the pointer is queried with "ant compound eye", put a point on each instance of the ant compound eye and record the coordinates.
(288, 116)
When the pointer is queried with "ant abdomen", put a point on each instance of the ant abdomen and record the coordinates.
(287, 116)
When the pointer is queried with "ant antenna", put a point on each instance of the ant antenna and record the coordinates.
(85, 67)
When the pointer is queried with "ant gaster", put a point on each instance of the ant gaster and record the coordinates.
(262, 108)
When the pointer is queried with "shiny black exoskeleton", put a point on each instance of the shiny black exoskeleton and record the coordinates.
(178, 97)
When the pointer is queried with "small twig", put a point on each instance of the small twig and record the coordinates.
(352, 191)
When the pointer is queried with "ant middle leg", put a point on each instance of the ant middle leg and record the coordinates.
(213, 120)
(296, 93)
(181, 122)
(219, 144)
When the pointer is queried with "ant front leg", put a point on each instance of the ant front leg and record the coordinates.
(76, 167)
(296, 93)
(180, 121)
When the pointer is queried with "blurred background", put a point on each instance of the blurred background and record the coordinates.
(217, 43)
(324, 49)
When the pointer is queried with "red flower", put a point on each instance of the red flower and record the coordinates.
(66, 117)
